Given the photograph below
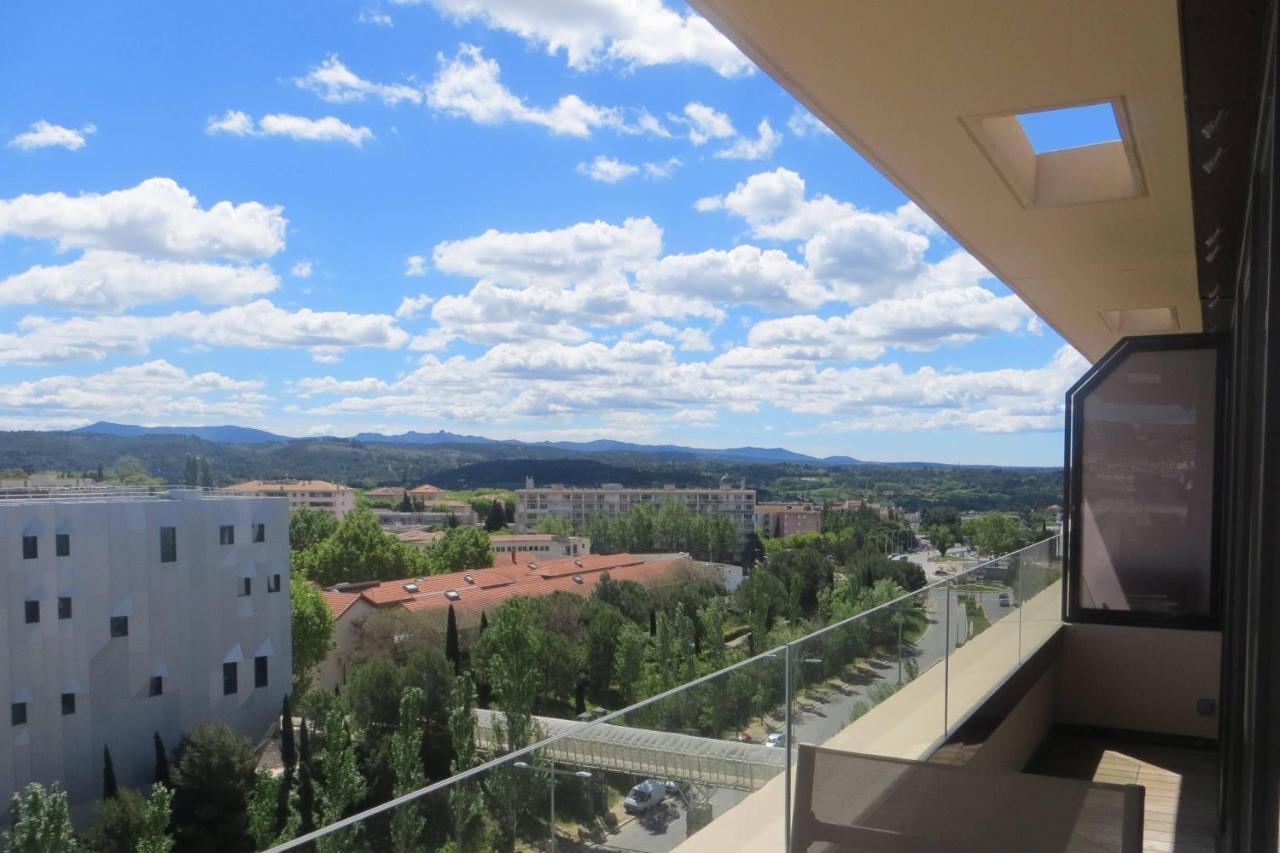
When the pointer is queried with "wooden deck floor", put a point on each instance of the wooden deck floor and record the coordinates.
(1181, 785)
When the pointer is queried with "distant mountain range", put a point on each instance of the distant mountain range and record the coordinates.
(230, 434)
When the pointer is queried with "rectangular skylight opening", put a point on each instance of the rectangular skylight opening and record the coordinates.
(1070, 127)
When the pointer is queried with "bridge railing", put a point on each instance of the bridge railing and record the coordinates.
(731, 729)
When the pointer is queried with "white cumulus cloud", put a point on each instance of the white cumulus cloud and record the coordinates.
(334, 82)
(607, 170)
(45, 135)
(745, 148)
(326, 129)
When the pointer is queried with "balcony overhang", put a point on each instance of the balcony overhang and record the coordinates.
(906, 84)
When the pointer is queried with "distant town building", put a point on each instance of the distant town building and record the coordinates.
(576, 505)
(426, 490)
(538, 546)
(787, 519)
(132, 611)
(474, 592)
(434, 515)
(45, 481)
(394, 492)
(301, 494)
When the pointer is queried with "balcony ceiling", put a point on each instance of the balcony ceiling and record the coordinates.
(907, 83)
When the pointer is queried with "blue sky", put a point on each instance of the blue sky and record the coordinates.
(507, 217)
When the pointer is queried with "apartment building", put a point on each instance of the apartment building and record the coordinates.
(130, 612)
(776, 520)
(575, 505)
(302, 494)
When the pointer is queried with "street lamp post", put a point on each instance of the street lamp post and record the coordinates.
(551, 771)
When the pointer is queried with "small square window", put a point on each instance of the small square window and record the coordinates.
(246, 587)
(260, 671)
(273, 583)
(62, 544)
(18, 713)
(68, 704)
(230, 678)
(157, 686)
(168, 544)
(30, 547)
(259, 533)
(64, 607)
(119, 626)
(227, 534)
(33, 612)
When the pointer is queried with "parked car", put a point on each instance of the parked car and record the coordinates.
(1003, 599)
(742, 737)
(776, 739)
(593, 714)
(645, 796)
(675, 787)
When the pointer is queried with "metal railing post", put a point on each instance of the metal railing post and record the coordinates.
(946, 659)
(786, 796)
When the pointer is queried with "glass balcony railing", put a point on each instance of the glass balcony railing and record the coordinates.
(895, 680)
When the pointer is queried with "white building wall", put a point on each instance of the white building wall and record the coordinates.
(577, 505)
(186, 618)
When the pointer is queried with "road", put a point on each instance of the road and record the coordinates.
(823, 713)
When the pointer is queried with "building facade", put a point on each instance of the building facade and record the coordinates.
(576, 505)
(128, 614)
(776, 520)
(302, 494)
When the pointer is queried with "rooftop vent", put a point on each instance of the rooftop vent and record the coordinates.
(452, 594)
(578, 563)
(411, 587)
(577, 578)
(533, 566)
(469, 578)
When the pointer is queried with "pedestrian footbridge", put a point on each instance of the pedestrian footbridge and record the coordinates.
(702, 761)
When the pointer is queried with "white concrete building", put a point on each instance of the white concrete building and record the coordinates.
(131, 612)
(576, 505)
(301, 494)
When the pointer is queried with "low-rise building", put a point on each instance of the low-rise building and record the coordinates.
(301, 494)
(532, 546)
(130, 612)
(776, 520)
(462, 513)
(575, 505)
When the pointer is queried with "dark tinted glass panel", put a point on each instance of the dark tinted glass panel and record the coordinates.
(18, 713)
(260, 672)
(227, 534)
(119, 626)
(229, 679)
(62, 544)
(32, 612)
(64, 607)
(259, 533)
(68, 703)
(1146, 502)
(157, 685)
(30, 548)
(168, 544)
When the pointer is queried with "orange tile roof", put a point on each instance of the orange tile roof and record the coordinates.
(491, 586)
(425, 489)
(285, 486)
(339, 602)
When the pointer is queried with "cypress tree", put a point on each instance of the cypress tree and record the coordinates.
(484, 622)
(206, 473)
(163, 776)
(110, 790)
(653, 622)
(406, 505)
(191, 474)
(100, 476)
(306, 786)
(288, 753)
(497, 517)
(452, 650)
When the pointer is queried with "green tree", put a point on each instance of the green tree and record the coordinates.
(407, 821)
(130, 471)
(42, 821)
(312, 627)
(496, 518)
(213, 777)
(552, 526)
(310, 527)
(995, 533)
(941, 537)
(110, 789)
(157, 814)
(459, 549)
(206, 473)
(631, 599)
(452, 649)
(263, 804)
(342, 787)
(406, 505)
(191, 468)
(464, 797)
(629, 660)
(359, 550)
(306, 782)
(604, 625)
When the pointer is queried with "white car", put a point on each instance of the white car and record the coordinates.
(776, 739)
(644, 796)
